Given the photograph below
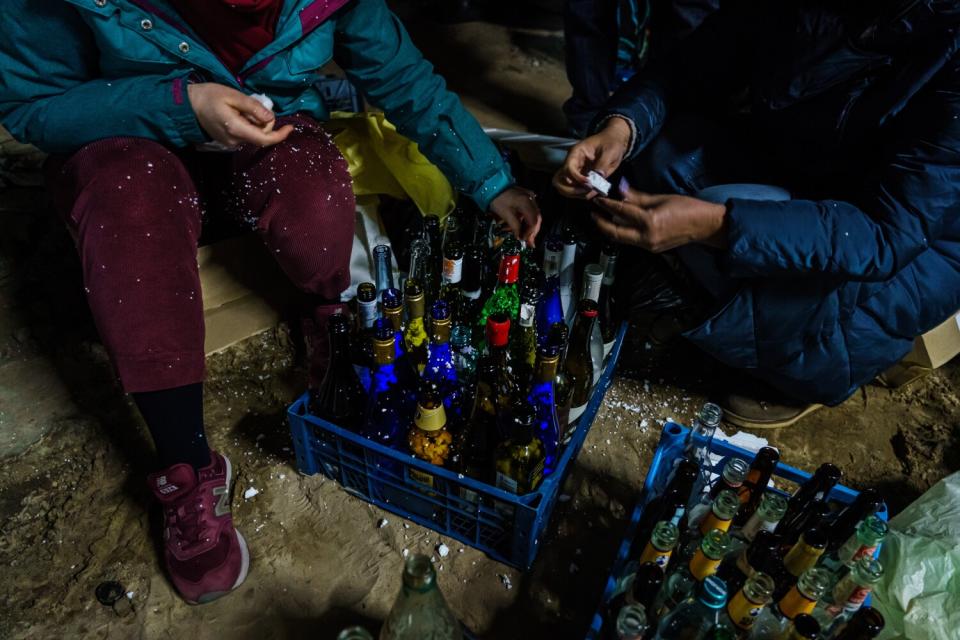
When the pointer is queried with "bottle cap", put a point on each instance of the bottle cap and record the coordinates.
(498, 330)
(338, 324)
(509, 268)
(713, 592)
(391, 299)
(433, 418)
(383, 329)
(440, 310)
(588, 308)
(384, 350)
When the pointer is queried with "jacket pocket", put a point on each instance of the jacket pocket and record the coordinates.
(309, 54)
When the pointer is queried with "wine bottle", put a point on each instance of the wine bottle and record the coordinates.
(818, 487)
(452, 276)
(415, 334)
(498, 353)
(519, 459)
(592, 280)
(428, 438)
(362, 345)
(559, 335)
(550, 309)
(392, 304)
(524, 340)
(440, 371)
(607, 317)
(387, 409)
(473, 450)
(471, 285)
(543, 399)
(340, 398)
(434, 236)
(579, 363)
(505, 298)
(568, 257)
(383, 266)
(420, 612)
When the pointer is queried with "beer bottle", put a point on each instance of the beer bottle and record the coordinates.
(698, 616)
(428, 438)
(420, 610)
(765, 518)
(670, 505)
(631, 623)
(719, 516)
(340, 398)
(662, 543)
(642, 589)
(817, 488)
(744, 607)
(762, 556)
(756, 483)
(803, 555)
(681, 583)
(867, 503)
(734, 473)
(801, 598)
(803, 627)
(849, 594)
(866, 624)
(864, 542)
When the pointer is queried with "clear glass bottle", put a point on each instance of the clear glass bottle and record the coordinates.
(607, 318)
(684, 579)
(765, 518)
(697, 445)
(631, 623)
(762, 467)
(747, 604)
(354, 633)
(731, 477)
(592, 282)
(543, 399)
(869, 535)
(340, 398)
(850, 592)
(419, 260)
(696, 617)
(415, 338)
(383, 266)
(579, 362)
(420, 611)
(801, 598)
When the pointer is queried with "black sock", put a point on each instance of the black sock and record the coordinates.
(175, 420)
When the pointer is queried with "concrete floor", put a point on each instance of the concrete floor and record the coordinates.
(74, 508)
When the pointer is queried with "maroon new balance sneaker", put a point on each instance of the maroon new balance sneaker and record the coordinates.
(206, 557)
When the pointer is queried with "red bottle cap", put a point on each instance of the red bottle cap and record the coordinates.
(588, 308)
(498, 330)
(509, 269)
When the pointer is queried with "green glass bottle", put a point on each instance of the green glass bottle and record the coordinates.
(686, 576)
(663, 540)
(802, 598)
(579, 362)
(474, 444)
(772, 507)
(524, 340)
(559, 335)
(519, 459)
(354, 633)
(631, 623)
(415, 337)
(699, 616)
(849, 593)
(719, 516)
(505, 298)
(869, 535)
(420, 611)
(498, 353)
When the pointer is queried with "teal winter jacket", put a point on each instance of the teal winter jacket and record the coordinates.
(76, 71)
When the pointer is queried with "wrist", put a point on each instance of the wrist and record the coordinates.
(618, 130)
(715, 216)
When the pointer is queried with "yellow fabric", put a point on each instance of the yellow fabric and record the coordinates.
(383, 162)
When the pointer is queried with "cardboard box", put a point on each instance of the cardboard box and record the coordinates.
(938, 346)
(244, 291)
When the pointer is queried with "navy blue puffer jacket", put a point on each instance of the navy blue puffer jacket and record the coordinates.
(859, 106)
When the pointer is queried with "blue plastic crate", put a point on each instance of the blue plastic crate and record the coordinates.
(669, 449)
(506, 527)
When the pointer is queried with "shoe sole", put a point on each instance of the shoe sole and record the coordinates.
(244, 557)
(749, 423)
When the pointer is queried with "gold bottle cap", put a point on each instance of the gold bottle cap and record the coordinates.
(384, 351)
(430, 419)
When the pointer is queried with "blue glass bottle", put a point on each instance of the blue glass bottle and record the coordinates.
(387, 416)
(440, 371)
(543, 399)
(550, 307)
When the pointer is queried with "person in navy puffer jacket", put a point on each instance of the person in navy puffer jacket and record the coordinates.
(852, 110)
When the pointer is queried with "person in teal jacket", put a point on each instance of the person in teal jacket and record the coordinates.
(148, 110)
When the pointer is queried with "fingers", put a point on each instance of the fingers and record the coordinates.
(241, 131)
(532, 219)
(251, 109)
(568, 186)
(622, 209)
(639, 198)
(619, 233)
(507, 216)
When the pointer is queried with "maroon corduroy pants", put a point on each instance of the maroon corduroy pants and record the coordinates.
(134, 207)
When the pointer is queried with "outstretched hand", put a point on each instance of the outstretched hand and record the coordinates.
(602, 152)
(659, 223)
(517, 208)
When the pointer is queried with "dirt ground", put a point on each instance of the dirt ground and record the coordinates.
(74, 508)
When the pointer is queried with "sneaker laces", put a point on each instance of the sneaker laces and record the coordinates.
(187, 519)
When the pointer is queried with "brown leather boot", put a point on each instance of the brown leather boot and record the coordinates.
(752, 413)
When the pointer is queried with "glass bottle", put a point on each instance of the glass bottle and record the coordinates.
(471, 286)
(803, 555)
(415, 334)
(592, 281)
(817, 488)
(744, 607)
(452, 276)
(354, 633)
(505, 298)
(762, 556)
(550, 310)
(474, 445)
(419, 259)
(434, 236)
(383, 267)
(579, 362)
(641, 588)
(867, 623)
(543, 399)
(340, 398)
(867, 503)
(455, 230)
(367, 313)
(756, 483)
(663, 540)
(718, 516)
(464, 354)
(420, 612)
(387, 415)
(682, 582)
(559, 335)
(801, 598)
(698, 442)
(428, 438)
(765, 518)
(524, 340)
(631, 623)
(803, 627)
(607, 317)
(849, 594)
(864, 542)
(670, 505)
(732, 477)
(392, 304)
(696, 617)
(519, 459)
(440, 371)
(498, 352)
(568, 258)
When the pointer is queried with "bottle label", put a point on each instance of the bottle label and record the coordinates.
(536, 476)
(528, 313)
(852, 602)
(506, 483)
(712, 521)
(755, 525)
(863, 551)
(430, 419)
(660, 557)
(702, 566)
(567, 259)
(576, 412)
(591, 290)
(795, 603)
(743, 611)
(368, 314)
(551, 263)
(801, 557)
(452, 270)
(419, 476)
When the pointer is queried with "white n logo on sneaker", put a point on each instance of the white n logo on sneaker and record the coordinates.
(223, 504)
